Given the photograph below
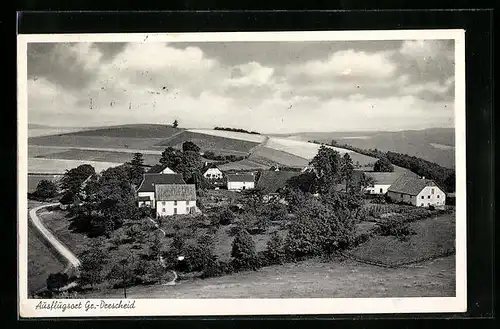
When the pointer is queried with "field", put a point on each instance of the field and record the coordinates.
(309, 150)
(115, 143)
(311, 279)
(58, 166)
(231, 135)
(100, 156)
(434, 236)
(245, 164)
(279, 157)
(209, 142)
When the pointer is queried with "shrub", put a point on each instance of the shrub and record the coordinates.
(46, 189)
(275, 250)
(395, 226)
(56, 281)
(149, 272)
(243, 251)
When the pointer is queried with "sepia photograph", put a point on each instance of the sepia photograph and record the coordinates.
(242, 173)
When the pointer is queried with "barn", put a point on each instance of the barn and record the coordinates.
(381, 181)
(146, 191)
(419, 192)
(240, 181)
(175, 199)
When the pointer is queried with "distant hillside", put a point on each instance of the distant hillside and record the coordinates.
(435, 144)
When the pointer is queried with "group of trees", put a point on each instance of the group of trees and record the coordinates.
(222, 158)
(186, 162)
(237, 130)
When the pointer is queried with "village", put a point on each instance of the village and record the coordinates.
(184, 219)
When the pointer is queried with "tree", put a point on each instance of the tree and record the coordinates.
(326, 164)
(275, 249)
(190, 146)
(306, 182)
(171, 158)
(383, 165)
(346, 170)
(449, 182)
(46, 189)
(92, 263)
(175, 124)
(136, 168)
(73, 178)
(243, 251)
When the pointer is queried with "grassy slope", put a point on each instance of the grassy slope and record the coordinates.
(311, 279)
(105, 156)
(434, 236)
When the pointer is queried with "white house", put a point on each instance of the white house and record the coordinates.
(240, 181)
(419, 192)
(213, 173)
(381, 181)
(146, 191)
(175, 199)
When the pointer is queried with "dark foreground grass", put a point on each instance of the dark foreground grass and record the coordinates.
(310, 279)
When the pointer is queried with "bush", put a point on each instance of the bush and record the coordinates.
(243, 252)
(275, 250)
(56, 281)
(395, 226)
(46, 189)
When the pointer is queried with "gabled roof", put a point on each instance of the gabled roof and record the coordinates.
(179, 192)
(410, 185)
(384, 178)
(213, 168)
(156, 169)
(149, 181)
(240, 178)
(271, 181)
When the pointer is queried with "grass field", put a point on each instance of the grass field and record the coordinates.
(434, 236)
(58, 166)
(279, 157)
(56, 222)
(231, 134)
(311, 279)
(134, 131)
(245, 164)
(75, 141)
(100, 156)
(214, 143)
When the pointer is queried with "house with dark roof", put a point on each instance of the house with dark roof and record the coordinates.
(160, 169)
(175, 199)
(419, 192)
(381, 181)
(146, 191)
(240, 181)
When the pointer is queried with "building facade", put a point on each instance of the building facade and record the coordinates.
(381, 182)
(240, 182)
(179, 199)
(146, 195)
(213, 173)
(419, 192)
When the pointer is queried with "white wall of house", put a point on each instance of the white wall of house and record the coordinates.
(167, 171)
(431, 195)
(151, 196)
(240, 185)
(169, 208)
(145, 203)
(377, 189)
(213, 173)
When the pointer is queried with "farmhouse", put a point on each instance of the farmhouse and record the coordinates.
(146, 191)
(213, 173)
(175, 199)
(240, 181)
(381, 181)
(419, 192)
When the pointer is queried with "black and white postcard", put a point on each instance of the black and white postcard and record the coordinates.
(241, 173)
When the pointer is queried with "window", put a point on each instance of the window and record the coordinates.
(187, 210)
(438, 196)
(175, 203)
(163, 203)
(187, 203)
(428, 204)
(432, 191)
(422, 196)
(381, 190)
(175, 211)
(428, 197)
(163, 210)
(422, 204)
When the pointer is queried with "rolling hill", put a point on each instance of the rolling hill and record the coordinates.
(107, 146)
(434, 144)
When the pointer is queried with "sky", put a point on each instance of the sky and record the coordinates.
(269, 87)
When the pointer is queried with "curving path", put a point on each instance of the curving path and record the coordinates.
(61, 249)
